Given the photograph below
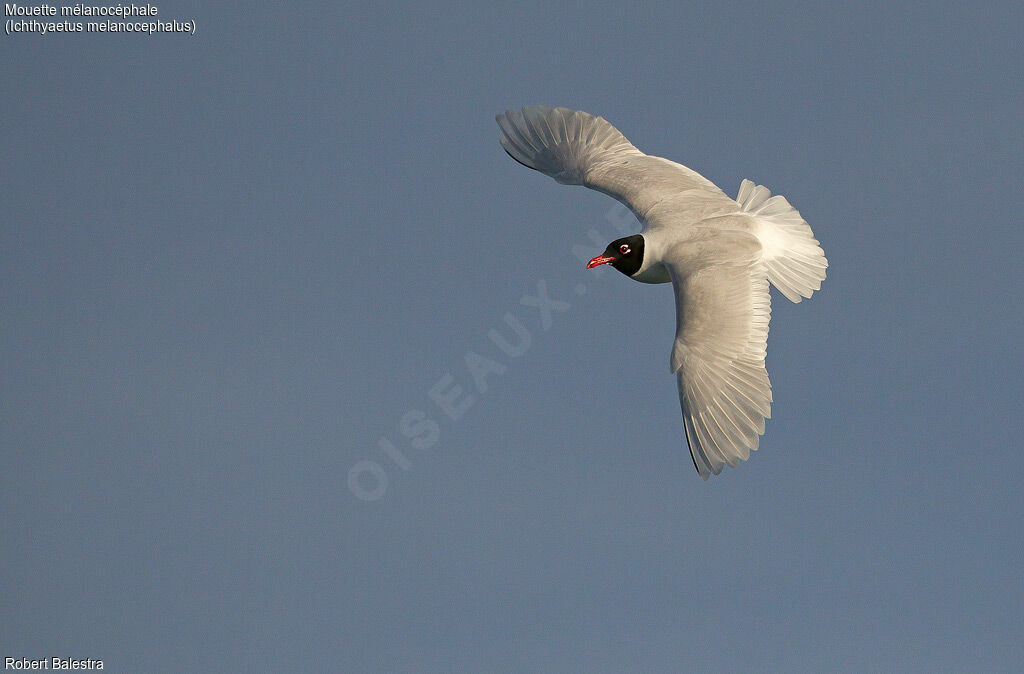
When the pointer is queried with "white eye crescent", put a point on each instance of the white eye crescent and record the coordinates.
(623, 249)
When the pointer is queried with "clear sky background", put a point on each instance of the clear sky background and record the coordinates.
(231, 263)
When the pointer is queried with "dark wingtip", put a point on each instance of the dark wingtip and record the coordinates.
(516, 160)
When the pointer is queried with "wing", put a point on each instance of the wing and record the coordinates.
(576, 148)
(722, 313)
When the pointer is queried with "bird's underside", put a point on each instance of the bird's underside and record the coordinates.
(720, 254)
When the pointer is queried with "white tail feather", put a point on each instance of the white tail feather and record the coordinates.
(795, 261)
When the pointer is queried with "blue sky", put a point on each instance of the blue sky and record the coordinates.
(232, 263)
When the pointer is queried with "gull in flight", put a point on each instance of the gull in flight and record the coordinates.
(719, 254)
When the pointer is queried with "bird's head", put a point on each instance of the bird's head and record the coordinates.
(626, 255)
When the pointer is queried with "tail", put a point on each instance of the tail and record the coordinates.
(795, 261)
(558, 142)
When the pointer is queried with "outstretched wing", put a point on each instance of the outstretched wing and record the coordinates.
(576, 148)
(722, 313)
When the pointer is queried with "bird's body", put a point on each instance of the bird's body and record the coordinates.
(719, 253)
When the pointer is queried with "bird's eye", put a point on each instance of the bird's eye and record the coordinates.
(623, 249)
